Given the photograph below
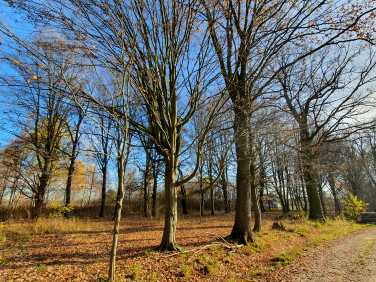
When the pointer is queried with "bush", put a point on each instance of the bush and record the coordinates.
(354, 207)
(60, 211)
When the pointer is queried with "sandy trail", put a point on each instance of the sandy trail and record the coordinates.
(351, 258)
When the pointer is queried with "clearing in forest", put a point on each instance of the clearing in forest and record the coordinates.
(78, 249)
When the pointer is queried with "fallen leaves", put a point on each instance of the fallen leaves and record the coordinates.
(83, 253)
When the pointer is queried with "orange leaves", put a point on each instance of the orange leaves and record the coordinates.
(17, 62)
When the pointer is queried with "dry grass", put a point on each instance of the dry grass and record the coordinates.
(79, 248)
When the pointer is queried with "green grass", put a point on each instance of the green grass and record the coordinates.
(185, 271)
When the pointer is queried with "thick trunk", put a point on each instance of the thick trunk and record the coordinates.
(310, 179)
(171, 214)
(242, 229)
(41, 190)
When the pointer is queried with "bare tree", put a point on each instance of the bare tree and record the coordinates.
(325, 96)
(247, 38)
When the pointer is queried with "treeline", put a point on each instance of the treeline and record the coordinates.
(256, 97)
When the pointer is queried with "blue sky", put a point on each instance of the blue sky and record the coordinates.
(17, 23)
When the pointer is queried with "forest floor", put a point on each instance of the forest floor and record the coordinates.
(56, 249)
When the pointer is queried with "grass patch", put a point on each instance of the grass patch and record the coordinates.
(23, 231)
(209, 269)
(134, 272)
(42, 267)
(185, 271)
(4, 261)
(283, 259)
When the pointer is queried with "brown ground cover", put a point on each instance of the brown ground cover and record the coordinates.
(78, 249)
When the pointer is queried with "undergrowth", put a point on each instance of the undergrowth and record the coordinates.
(25, 230)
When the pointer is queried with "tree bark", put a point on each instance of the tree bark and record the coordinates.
(225, 191)
(321, 195)
(255, 201)
(184, 200)
(171, 214)
(333, 189)
(119, 206)
(41, 189)
(154, 196)
(147, 179)
(242, 229)
(212, 207)
(310, 179)
(68, 189)
(104, 186)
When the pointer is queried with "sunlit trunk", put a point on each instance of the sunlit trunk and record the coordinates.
(242, 229)
(171, 213)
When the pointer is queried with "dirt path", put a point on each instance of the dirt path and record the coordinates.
(351, 258)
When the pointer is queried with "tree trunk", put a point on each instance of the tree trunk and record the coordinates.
(41, 189)
(119, 206)
(104, 186)
(154, 196)
(279, 183)
(310, 179)
(288, 188)
(225, 191)
(171, 215)
(184, 200)
(68, 189)
(305, 207)
(255, 201)
(212, 207)
(202, 200)
(333, 189)
(262, 177)
(242, 229)
(321, 195)
(147, 180)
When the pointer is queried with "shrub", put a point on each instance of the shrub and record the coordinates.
(60, 211)
(354, 207)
